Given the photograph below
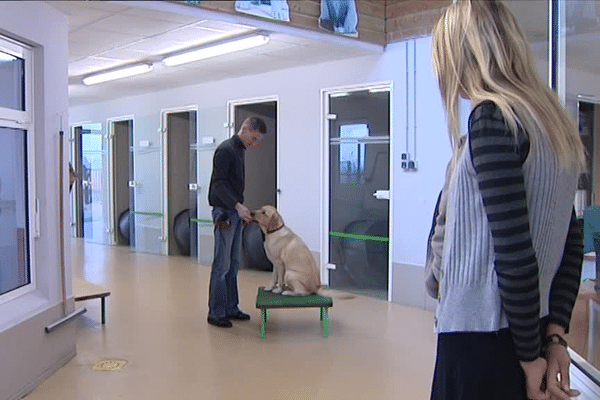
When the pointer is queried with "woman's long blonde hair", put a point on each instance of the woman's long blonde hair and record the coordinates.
(479, 52)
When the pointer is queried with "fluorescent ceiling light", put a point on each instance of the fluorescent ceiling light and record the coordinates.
(216, 49)
(341, 94)
(119, 73)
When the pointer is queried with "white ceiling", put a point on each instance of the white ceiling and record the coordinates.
(107, 34)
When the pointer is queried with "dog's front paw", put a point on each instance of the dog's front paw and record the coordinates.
(277, 290)
(287, 293)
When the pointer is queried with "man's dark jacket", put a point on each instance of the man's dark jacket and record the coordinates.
(228, 174)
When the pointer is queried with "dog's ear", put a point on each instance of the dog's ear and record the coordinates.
(274, 222)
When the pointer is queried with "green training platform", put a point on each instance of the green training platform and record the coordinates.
(266, 300)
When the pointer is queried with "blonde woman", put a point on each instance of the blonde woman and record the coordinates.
(512, 253)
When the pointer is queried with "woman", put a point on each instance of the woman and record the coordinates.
(512, 253)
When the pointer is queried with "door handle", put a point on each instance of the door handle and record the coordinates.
(131, 184)
(193, 186)
(382, 195)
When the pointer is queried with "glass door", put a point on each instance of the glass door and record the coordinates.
(359, 182)
(93, 162)
(147, 186)
(212, 130)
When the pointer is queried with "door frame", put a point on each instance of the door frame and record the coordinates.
(112, 237)
(231, 104)
(325, 266)
(164, 113)
(76, 196)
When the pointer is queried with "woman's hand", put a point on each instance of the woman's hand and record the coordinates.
(535, 371)
(557, 376)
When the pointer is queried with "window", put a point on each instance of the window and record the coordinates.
(14, 215)
(12, 76)
(352, 153)
(15, 191)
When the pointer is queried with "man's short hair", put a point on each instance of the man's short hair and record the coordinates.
(255, 124)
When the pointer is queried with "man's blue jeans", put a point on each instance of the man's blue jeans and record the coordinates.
(223, 293)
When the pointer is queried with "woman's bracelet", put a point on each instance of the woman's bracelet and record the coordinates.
(555, 338)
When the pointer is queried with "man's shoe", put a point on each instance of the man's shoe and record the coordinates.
(220, 322)
(238, 316)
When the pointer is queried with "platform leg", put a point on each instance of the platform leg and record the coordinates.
(263, 323)
(325, 319)
(103, 309)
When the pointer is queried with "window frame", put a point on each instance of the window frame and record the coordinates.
(17, 119)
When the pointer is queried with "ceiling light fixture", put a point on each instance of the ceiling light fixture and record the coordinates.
(123, 72)
(216, 49)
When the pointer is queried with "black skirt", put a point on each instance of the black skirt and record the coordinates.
(477, 366)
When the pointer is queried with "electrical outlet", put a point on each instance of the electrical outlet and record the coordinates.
(404, 164)
(405, 156)
(412, 165)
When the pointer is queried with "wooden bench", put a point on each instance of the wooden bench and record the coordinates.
(266, 300)
(84, 290)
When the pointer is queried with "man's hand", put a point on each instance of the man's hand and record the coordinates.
(534, 376)
(243, 212)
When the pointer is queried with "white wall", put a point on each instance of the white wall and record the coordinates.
(27, 353)
(300, 135)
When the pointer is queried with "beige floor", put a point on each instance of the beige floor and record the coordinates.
(156, 320)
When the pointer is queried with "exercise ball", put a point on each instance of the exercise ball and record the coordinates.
(253, 240)
(125, 226)
(181, 231)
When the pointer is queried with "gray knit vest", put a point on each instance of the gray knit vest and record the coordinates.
(469, 298)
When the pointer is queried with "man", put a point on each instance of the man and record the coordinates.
(226, 196)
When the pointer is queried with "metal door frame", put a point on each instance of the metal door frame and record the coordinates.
(325, 266)
(231, 104)
(164, 114)
(77, 195)
(112, 236)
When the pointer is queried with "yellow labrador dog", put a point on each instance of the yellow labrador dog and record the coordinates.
(295, 272)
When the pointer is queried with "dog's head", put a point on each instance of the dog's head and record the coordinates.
(268, 218)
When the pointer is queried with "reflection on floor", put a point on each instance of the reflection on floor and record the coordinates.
(380, 294)
(156, 321)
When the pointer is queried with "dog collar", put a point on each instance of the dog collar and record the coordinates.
(275, 230)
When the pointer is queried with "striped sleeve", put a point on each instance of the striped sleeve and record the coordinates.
(565, 285)
(498, 164)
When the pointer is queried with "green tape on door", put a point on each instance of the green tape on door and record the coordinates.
(148, 213)
(201, 221)
(359, 237)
